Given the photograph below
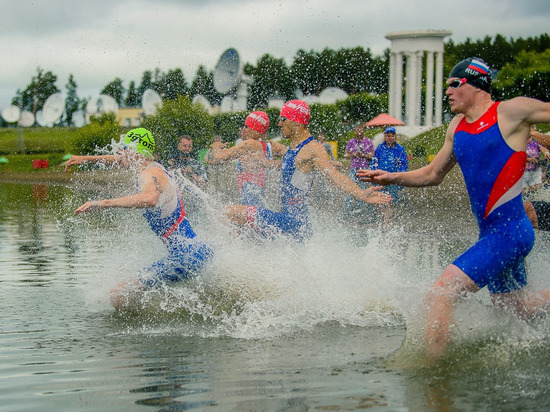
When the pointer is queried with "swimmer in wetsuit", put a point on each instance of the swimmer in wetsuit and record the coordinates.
(304, 156)
(163, 209)
(488, 140)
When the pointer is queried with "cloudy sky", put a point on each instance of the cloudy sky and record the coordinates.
(100, 40)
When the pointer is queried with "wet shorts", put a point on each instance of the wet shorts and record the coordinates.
(251, 194)
(184, 260)
(497, 260)
(286, 223)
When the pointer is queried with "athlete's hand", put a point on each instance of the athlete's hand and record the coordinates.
(218, 145)
(88, 207)
(380, 177)
(74, 160)
(373, 196)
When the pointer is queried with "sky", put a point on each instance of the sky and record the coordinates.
(100, 40)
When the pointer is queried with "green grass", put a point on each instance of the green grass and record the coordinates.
(37, 139)
(23, 162)
(427, 143)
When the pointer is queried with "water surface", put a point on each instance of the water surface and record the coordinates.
(333, 324)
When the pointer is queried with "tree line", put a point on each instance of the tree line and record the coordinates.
(522, 67)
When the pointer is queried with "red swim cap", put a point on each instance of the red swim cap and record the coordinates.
(297, 111)
(257, 121)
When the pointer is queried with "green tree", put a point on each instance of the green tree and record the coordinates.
(172, 84)
(116, 90)
(203, 84)
(133, 98)
(72, 102)
(175, 118)
(527, 75)
(146, 82)
(305, 71)
(33, 97)
(270, 77)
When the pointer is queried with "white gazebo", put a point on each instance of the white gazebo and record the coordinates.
(413, 48)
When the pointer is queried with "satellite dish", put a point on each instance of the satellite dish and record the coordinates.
(78, 119)
(226, 105)
(40, 119)
(102, 104)
(310, 99)
(203, 101)
(11, 113)
(275, 103)
(331, 95)
(150, 102)
(227, 74)
(53, 108)
(26, 119)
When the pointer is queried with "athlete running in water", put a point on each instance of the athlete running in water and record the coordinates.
(252, 154)
(488, 140)
(158, 195)
(303, 157)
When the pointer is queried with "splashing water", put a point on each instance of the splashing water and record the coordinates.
(349, 273)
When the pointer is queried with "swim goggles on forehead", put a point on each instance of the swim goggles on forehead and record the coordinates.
(455, 84)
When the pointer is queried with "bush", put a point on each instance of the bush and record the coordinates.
(96, 135)
(176, 118)
(362, 107)
(227, 125)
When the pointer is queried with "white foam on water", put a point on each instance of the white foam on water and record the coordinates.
(259, 289)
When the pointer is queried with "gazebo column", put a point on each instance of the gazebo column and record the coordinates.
(428, 119)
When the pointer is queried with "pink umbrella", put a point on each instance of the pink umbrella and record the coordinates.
(382, 120)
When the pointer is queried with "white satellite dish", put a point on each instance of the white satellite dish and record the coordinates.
(39, 117)
(102, 104)
(203, 101)
(79, 118)
(275, 103)
(227, 74)
(226, 105)
(310, 99)
(26, 119)
(331, 95)
(53, 108)
(150, 102)
(11, 113)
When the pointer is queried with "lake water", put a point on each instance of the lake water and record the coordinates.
(330, 325)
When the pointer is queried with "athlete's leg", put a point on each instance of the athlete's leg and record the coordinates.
(531, 213)
(524, 303)
(452, 284)
(237, 214)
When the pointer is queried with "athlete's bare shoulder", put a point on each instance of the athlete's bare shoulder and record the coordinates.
(454, 124)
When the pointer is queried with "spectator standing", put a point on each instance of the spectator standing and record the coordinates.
(188, 164)
(360, 151)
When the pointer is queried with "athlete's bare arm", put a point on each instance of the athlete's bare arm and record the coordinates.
(78, 160)
(317, 157)
(430, 175)
(152, 181)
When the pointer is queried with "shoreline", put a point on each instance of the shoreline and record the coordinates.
(63, 178)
